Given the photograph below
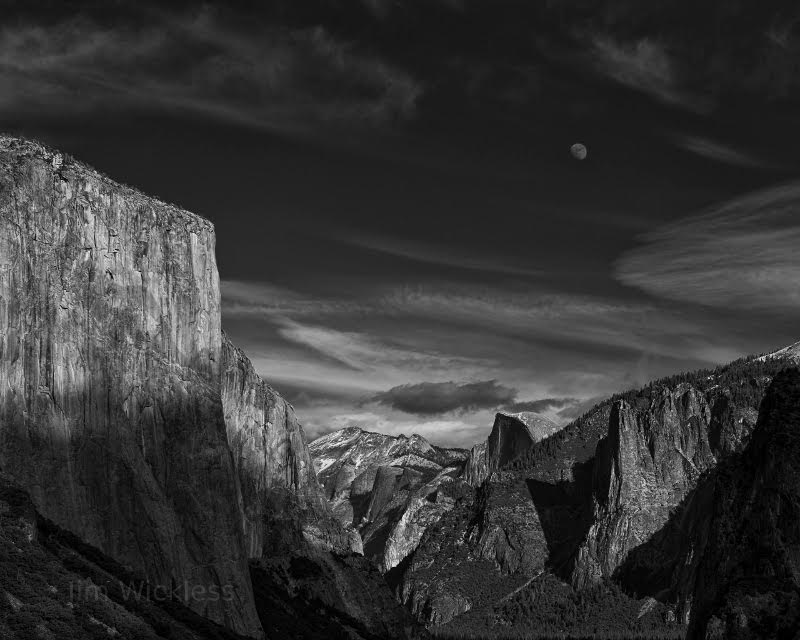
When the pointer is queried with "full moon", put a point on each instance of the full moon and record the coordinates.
(578, 151)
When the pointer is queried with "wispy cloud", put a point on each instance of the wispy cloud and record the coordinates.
(371, 355)
(644, 65)
(447, 356)
(382, 9)
(575, 322)
(462, 313)
(742, 254)
(274, 78)
(384, 337)
(442, 255)
(708, 148)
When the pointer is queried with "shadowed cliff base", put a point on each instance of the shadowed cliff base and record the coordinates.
(324, 594)
(54, 585)
(726, 560)
(565, 515)
(748, 579)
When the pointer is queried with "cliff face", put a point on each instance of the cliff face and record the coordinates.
(110, 351)
(748, 581)
(389, 488)
(136, 426)
(274, 466)
(511, 435)
(476, 468)
(645, 467)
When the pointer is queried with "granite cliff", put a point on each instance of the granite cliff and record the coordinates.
(53, 585)
(511, 435)
(110, 353)
(274, 466)
(136, 427)
(647, 464)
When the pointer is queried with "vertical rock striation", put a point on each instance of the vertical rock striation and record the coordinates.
(274, 466)
(643, 469)
(132, 421)
(512, 434)
(649, 512)
(110, 351)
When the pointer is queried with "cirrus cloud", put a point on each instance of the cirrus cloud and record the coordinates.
(265, 76)
(742, 254)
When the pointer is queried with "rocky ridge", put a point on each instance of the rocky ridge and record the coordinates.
(603, 499)
(389, 488)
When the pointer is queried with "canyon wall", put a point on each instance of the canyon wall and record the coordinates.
(110, 350)
(748, 579)
(647, 465)
(280, 492)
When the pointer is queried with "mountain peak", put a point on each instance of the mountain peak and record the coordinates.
(359, 448)
(512, 434)
(537, 425)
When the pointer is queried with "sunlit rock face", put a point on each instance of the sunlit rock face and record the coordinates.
(389, 488)
(276, 473)
(643, 469)
(110, 351)
(651, 460)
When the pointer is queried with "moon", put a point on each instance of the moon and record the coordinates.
(579, 151)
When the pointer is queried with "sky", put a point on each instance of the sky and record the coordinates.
(405, 242)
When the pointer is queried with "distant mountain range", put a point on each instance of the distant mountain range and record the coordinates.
(609, 516)
(391, 488)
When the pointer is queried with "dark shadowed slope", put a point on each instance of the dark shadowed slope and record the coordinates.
(748, 581)
(579, 503)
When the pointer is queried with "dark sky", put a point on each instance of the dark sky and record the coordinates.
(404, 239)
